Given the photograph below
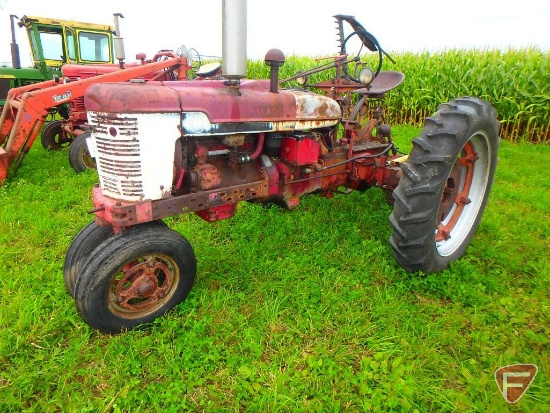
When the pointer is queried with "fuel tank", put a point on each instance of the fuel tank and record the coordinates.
(211, 107)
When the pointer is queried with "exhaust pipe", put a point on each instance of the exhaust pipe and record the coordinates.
(118, 42)
(15, 60)
(234, 57)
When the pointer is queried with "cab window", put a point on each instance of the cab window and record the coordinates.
(52, 45)
(94, 47)
(71, 45)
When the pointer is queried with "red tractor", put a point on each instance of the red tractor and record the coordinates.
(166, 149)
(27, 107)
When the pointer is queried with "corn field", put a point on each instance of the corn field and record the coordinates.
(516, 82)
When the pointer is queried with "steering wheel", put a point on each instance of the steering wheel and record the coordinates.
(360, 40)
(195, 60)
(193, 57)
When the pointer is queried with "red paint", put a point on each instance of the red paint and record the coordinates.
(298, 152)
(79, 72)
(116, 213)
(251, 103)
(218, 213)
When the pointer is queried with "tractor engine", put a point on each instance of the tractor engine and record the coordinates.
(166, 148)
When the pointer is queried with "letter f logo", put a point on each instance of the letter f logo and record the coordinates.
(514, 380)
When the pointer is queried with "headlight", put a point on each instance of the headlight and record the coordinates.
(195, 123)
(366, 76)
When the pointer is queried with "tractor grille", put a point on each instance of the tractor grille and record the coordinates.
(135, 153)
(4, 88)
(118, 155)
(78, 103)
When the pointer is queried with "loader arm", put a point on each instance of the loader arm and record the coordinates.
(26, 107)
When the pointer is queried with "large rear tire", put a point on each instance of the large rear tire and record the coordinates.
(132, 278)
(445, 185)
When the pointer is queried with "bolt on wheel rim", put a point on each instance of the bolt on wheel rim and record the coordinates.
(463, 195)
(143, 285)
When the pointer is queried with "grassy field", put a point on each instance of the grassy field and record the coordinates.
(291, 311)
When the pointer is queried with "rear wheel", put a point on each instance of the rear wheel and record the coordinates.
(79, 156)
(132, 278)
(82, 245)
(54, 137)
(445, 185)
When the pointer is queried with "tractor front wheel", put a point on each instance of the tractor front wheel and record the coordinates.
(79, 156)
(134, 277)
(444, 186)
(53, 136)
(82, 245)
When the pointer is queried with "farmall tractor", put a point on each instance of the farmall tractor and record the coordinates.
(166, 149)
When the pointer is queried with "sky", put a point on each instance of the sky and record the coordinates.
(299, 27)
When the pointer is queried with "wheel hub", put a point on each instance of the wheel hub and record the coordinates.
(456, 193)
(146, 287)
(142, 285)
(450, 193)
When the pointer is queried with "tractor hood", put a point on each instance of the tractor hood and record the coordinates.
(216, 103)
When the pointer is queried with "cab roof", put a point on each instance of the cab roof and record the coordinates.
(27, 21)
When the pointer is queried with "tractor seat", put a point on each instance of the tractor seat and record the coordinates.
(209, 69)
(384, 82)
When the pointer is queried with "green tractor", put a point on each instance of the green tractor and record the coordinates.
(53, 43)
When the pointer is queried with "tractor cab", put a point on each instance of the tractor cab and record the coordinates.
(55, 42)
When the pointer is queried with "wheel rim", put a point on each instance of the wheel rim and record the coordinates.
(463, 194)
(55, 138)
(79, 155)
(143, 286)
(88, 160)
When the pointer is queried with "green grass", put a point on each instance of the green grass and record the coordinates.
(292, 311)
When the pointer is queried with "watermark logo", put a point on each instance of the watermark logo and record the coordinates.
(514, 380)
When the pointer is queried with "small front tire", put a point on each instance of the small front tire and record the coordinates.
(79, 156)
(53, 136)
(82, 245)
(133, 278)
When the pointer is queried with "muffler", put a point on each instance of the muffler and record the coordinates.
(234, 57)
